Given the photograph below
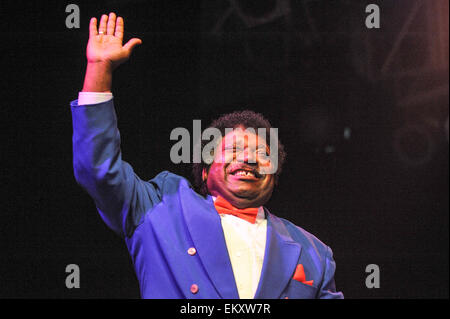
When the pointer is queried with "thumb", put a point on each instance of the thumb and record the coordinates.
(129, 46)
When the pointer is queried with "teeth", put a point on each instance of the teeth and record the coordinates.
(244, 173)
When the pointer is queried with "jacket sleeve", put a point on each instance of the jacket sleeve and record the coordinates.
(120, 196)
(328, 287)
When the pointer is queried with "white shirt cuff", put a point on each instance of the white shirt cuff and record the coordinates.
(86, 98)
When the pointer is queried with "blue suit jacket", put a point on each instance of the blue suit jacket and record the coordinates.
(162, 218)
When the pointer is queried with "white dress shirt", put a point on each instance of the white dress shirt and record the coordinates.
(245, 241)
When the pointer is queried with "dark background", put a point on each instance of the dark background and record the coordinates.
(361, 112)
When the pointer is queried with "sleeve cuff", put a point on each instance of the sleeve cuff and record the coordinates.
(87, 98)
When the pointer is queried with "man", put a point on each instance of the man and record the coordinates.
(223, 244)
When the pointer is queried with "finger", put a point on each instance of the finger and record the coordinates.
(130, 45)
(103, 21)
(111, 24)
(93, 27)
(119, 28)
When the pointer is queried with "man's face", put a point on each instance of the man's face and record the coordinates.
(237, 172)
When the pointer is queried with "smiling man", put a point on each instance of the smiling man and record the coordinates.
(211, 240)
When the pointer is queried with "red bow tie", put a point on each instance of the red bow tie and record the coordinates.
(223, 207)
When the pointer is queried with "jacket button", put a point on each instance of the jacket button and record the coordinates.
(192, 251)
(194, 288)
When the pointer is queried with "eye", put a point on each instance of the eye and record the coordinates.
(229, 149)
(234, 149)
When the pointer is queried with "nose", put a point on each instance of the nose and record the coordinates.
(248, 156)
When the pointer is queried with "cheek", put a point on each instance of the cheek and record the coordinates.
(216, 173)
(266, 166)
(224, 158)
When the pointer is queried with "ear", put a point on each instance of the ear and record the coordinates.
(204, 174)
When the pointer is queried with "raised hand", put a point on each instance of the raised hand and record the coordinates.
(105, 45)
(105, 52)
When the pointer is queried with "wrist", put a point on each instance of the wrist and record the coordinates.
(98, 77)
(100, 66)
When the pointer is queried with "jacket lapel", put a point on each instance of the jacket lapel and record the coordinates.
(280, 260)
(206, 231)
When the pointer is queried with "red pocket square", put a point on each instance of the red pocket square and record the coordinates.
(300, 275)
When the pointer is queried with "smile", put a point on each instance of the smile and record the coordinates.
(243, 173)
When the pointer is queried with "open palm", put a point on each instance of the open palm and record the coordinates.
(105, 44)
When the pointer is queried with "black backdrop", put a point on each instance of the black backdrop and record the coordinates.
(309, 72)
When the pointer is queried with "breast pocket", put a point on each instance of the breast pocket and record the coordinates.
(299, 290)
